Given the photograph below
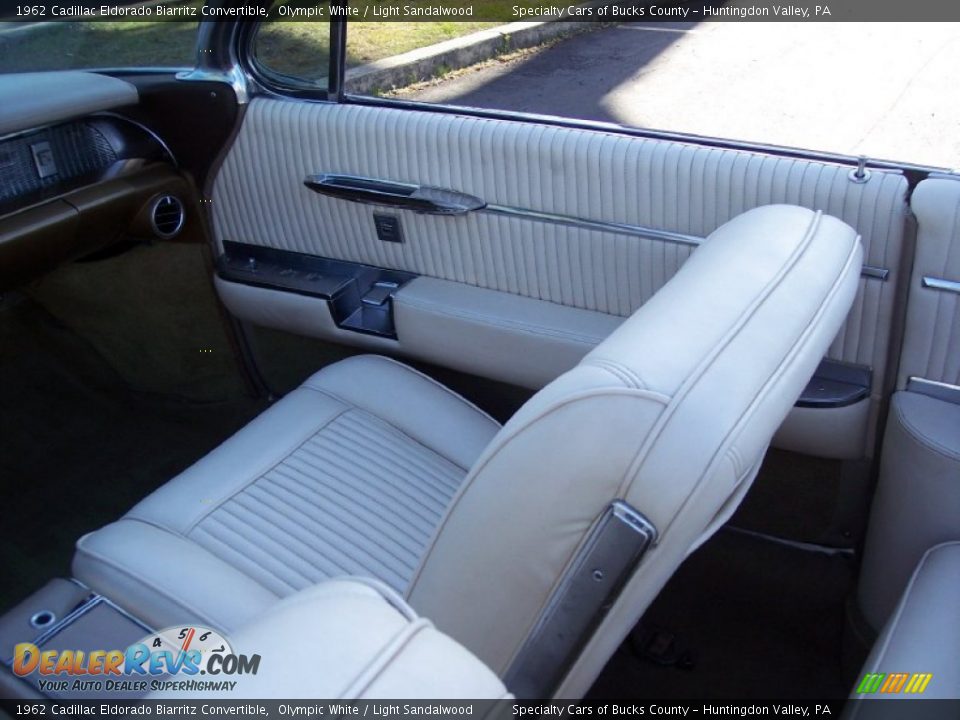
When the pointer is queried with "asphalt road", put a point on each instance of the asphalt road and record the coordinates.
(885, 90)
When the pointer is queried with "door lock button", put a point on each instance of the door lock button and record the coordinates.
(388, 228)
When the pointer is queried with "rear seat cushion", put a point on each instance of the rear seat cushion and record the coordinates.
(923, 634)
(347, 475)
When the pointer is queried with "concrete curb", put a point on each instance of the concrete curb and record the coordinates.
(424, 63)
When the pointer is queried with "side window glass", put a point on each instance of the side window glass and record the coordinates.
(369, 42)
(294, 52)
(74, 45)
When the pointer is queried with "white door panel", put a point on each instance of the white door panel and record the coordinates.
(574, 175)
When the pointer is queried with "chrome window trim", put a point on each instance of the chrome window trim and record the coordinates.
(934, 388)
(125, 70)
(336, 92)
(935, 283)
(256, 79)
(235, 77)
(851, 161)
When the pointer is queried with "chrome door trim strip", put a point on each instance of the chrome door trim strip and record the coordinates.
(867, 271)
(936, 283)
(871, 271)
(598, 225)
(935, 389)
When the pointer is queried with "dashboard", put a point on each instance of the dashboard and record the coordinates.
(41, 164)
(77, 177)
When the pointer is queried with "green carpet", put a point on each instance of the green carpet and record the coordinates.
(79, 446)
(795, 497)
(153, 315)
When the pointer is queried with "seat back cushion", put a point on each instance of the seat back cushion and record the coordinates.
(672, 414)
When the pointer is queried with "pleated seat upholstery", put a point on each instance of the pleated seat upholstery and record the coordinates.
(372, 469)
(348, 475)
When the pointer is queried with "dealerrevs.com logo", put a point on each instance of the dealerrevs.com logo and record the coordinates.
(170, 660)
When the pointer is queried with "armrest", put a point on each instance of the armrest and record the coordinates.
(499, 335)
(355, 638)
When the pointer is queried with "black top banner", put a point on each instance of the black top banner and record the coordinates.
(602, 11)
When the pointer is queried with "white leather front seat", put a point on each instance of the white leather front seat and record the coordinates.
(513, 540)
(350, 474)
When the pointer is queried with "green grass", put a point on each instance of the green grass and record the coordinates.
(299, 49)
(69, 45)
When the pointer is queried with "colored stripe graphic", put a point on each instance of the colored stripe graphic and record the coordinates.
(918, 682)
(870, 683)
(893, 683)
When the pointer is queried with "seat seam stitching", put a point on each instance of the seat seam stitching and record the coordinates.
(373, 540)
(778, 371)
(387, 654)
(734, 331)
(649, 395)
(252, 480)
(439, 386)
(218, 539)
(134, 575)
(412, 439)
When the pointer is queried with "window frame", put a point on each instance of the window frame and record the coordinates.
(336, 93)
(276, 83)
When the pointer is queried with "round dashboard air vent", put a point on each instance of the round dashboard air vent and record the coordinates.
(167, 216)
